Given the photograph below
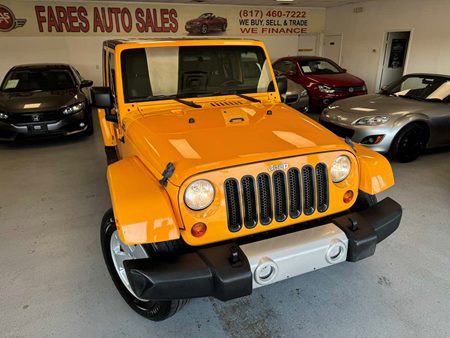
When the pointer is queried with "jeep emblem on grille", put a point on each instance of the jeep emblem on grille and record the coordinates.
(35, 117)
(282, 166)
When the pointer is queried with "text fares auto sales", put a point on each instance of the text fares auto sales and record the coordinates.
(105, 19)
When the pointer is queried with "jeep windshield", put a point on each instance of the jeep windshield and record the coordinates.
(159, 73)
(38, 80)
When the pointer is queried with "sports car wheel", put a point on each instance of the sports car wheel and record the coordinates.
(409, 143)
(115, 252)
(204, 29)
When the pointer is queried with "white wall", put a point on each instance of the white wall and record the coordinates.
(85, 52)
(364, 32)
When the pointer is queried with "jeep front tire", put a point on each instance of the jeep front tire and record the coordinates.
(114, 253)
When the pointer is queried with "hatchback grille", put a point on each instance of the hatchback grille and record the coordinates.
(276, 197)
(36, 117)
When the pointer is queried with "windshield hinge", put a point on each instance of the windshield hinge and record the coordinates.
(167, 173)
(349, 141)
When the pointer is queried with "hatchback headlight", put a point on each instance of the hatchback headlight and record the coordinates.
(74, 109)
(372, 120)
(326, 89)
(199, 195)
(340, 168)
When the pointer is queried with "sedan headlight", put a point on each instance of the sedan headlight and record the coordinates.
(326, 89)
(3, 116)
(372, 120)
(74, 109)
(199, 195)
(340, 168)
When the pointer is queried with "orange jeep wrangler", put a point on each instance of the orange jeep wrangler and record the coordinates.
(217, 187)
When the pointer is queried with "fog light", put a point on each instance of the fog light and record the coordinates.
(198, 230)
(266, 271)
(82, 125)
(374, 139)
(335, 251)
(348, 196)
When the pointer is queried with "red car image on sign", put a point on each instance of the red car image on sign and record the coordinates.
(8, 21)
(206, 23)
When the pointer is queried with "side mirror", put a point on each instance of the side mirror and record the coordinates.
(282, 84)
(344, 70)
(102, 98)
(86, 83)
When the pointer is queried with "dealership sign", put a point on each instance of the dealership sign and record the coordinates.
(137, 19)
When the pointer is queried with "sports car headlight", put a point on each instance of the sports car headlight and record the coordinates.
(74, 109)
(326, 89)
(199, 195)
(340, 168)
(372, 120)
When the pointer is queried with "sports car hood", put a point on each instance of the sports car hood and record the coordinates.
(194, 21)
(336, 80)
(371, 105)
(198, 140)
(22, 102)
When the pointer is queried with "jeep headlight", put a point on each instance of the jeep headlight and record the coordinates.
(372, 120)
(326, 89)
(74, 109)
(199, 195)
(340, 168)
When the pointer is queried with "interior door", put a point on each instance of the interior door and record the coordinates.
(333, 47)
(396, 48)
(308, 45)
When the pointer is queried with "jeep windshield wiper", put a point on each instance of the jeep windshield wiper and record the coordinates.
(229, 92)
(166, 97)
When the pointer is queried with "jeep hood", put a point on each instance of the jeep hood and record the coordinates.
(199, 140)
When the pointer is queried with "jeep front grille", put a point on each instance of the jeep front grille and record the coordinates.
(277, 196)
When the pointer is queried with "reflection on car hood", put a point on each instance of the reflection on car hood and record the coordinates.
(226, 137)
(367, 105)
(22, 102)
(336, 80)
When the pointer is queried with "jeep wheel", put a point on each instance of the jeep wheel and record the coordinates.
(409, 143)
(115, 252)
(204, 29)
(363, 201)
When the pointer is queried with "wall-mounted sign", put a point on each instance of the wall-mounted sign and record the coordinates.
(8, 20)
(137, 19)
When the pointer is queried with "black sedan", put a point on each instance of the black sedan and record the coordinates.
(44, 100)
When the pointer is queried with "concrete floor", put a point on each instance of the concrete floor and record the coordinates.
(54, 282)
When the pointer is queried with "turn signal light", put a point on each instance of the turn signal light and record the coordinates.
(198, 230)
(348, 196)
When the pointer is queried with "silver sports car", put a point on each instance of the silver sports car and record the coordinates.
(407, 116)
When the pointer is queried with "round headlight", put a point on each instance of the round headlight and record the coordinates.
(340, 168)
(199, 195)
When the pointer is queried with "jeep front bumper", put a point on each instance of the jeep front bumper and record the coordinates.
(230, 271)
